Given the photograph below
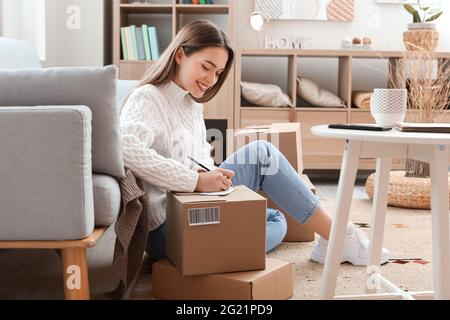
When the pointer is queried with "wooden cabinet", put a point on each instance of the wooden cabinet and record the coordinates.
(133, 70)
(318, 152)
(263, 116)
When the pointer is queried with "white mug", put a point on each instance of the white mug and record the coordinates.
(388, 106)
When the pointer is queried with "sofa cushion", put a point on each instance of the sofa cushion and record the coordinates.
(106, 199)
(94, 87)
(46, 173)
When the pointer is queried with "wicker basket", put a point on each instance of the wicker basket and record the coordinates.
(428, 40)
(405, 192)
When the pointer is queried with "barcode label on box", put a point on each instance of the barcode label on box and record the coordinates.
(204, 216)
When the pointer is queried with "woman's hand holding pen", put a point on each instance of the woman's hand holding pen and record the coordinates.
(214, 181)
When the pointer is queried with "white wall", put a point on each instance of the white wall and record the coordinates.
(43, 24)
(384, 23)
(75, 47)
(25, 20)
(1, 18)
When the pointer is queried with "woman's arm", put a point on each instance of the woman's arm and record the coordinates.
(138, 128)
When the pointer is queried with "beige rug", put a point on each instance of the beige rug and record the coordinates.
(36, 274)
(407, 235)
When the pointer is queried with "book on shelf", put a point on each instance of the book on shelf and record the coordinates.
(134, 42)
(198, 1)
(138, 2)
(154, 42)
(423, 127)
(123, 41)
(139, 43)
(148, 53)
(129, 42)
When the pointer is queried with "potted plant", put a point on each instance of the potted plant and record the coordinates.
(422, 32)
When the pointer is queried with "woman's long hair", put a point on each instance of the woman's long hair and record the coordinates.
(194, 37)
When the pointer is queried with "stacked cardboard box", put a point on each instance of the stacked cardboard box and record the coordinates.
(216, 244)
(216, 250)
(287, 138)
(216, 234)
(273, 283)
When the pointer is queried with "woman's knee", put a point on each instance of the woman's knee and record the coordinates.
(261, 150)
(258, 144)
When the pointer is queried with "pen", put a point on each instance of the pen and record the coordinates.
(199, 164)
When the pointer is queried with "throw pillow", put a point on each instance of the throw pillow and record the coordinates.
(311, 92)
(265, 95)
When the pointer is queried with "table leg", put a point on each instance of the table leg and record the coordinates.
(378, 218)
(344, 198)
(440, 220)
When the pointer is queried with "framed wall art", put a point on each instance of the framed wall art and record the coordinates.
(332, 10)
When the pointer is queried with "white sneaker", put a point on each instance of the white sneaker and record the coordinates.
(356, 248)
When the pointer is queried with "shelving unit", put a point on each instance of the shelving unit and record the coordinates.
(318, 153)
(169, 16)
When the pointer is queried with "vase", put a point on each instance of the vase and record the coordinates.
(421, 36)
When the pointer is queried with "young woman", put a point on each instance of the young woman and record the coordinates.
(162, 126)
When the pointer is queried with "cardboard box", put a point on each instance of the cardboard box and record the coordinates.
(296, 232)
(216, 234)
(285, 136)
(276, 282)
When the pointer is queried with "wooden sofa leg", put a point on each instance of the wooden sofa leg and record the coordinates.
(75, 274)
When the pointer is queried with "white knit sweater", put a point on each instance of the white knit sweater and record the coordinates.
(161, 127)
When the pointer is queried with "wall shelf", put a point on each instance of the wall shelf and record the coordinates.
(145, 8)
(169, 16)
(203, 9)
(321, 109)
(254, 108)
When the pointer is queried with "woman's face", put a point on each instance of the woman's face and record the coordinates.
(200, 71)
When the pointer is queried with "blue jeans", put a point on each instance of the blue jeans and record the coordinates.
(260, 165)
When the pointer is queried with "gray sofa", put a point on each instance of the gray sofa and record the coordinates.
(60, 162)
(62, 156)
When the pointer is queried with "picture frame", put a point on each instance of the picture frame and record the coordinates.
(324, 10)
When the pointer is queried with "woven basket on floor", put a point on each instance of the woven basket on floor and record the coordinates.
(405, 192)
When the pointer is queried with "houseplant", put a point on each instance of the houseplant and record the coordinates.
(422, 31)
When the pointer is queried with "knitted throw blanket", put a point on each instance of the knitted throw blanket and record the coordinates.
(132, 228)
